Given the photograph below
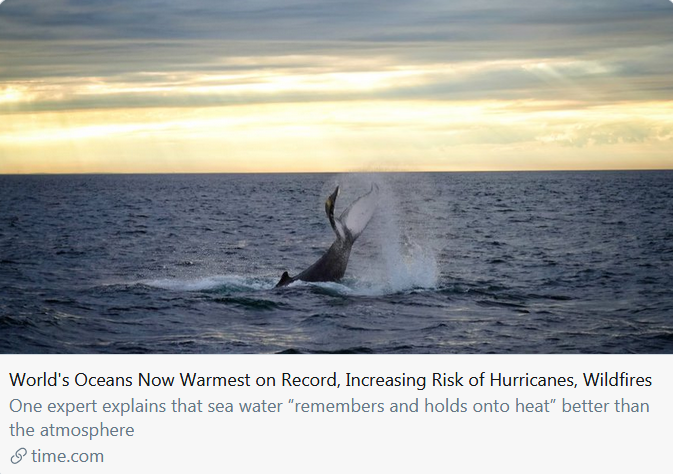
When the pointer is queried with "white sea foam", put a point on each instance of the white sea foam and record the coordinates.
(327, 286)
(216, 282)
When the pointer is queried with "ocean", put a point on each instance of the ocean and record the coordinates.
(520, 262)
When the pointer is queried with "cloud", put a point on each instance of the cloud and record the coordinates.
(572, 74)
(202, 78)
(625, 132)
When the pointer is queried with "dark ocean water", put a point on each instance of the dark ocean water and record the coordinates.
(548, 262)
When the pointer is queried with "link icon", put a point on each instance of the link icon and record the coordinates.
(20, 453)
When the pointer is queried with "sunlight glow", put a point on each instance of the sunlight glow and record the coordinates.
(344, 136)
(325, 113)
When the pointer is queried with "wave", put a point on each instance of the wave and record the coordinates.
(215, 283)
(407, 279)
(361, 287)
(322, 287)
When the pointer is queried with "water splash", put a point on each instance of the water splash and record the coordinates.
(394, 254)
(325, 287)
(219, 283)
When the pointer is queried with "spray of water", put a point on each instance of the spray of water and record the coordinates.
(394, 254)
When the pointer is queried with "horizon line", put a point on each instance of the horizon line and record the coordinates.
(334, 172)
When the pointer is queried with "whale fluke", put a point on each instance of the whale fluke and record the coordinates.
(347, 227)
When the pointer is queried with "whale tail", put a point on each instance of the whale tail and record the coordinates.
(347, 227)
(353, 221)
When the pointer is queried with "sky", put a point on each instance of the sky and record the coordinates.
(164, 86)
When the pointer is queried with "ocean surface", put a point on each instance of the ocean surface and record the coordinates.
(535, 262)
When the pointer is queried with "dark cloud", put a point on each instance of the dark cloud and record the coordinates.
(314, 20)
(119, 40)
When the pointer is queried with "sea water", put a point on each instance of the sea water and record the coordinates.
(534, 262)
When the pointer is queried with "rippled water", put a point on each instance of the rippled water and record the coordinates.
(452, 262)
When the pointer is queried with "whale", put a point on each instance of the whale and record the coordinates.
(347, 227)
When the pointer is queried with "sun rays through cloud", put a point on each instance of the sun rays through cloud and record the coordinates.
(277, 86)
